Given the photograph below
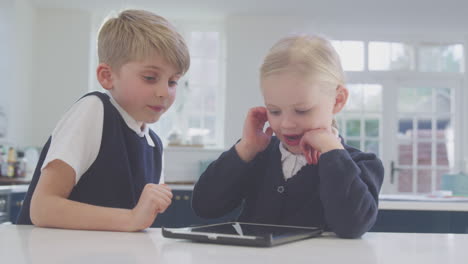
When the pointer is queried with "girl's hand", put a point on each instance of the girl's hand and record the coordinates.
(254, 139)
(154, 199)
(317, 141)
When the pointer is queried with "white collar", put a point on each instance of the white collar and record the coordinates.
(291, 163)
(132, 123)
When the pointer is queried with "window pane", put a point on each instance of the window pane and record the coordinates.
(204, 44)
(372, 97)
(372, 146)
(444, 100)
(405, 153)
(354, 143)
(355, 98)
(210, 125)
(351, 54)
(405, 129)
(204, 72)
(424, 129)
(442, 158)
(372, 127)
(424, 153)
(415, 99)
(353, 128)
(437, 58)
(210, 100)
(424, 181)
(444, 129)
(405, 180)
(194, 121)
(390, 56)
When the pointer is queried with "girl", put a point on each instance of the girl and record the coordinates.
(304, 175)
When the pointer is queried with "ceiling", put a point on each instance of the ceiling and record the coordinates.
(449, 13)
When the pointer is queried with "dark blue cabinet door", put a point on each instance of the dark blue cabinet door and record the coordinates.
(16, 201)
(180, 213)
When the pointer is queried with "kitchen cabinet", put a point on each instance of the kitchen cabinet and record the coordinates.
(16, 201)
(180, 213)
(4, 202)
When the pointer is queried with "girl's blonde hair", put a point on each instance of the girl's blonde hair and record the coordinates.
(309, 56)
(137, 34)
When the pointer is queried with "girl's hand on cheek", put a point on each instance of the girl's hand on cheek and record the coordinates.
(254, 138)
(317, 141)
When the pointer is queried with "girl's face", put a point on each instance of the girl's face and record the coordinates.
(296, 105)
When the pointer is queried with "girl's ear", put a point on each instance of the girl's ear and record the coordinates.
(340, 99)
(104, 76)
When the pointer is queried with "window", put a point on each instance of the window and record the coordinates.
(360, 121)
(198, 108)
(403, 106)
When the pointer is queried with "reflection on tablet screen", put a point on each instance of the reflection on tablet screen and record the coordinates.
(244, 229)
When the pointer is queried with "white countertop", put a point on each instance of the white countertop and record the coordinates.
(32, 245)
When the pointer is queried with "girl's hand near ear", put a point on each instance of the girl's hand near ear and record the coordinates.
(254, 138)
(318, 141)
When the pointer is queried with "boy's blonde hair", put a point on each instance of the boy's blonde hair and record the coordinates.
(310, 56)
(137, 34)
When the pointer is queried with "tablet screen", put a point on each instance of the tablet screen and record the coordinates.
(257, 230)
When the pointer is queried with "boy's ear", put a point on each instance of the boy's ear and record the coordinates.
(340, 99)
(104, 76)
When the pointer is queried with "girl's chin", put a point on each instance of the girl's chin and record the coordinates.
(293, 149)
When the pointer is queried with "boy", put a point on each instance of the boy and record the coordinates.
(101, 167)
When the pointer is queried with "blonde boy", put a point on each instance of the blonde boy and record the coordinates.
(101, 167)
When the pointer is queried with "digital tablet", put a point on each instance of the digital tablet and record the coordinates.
(245, 234)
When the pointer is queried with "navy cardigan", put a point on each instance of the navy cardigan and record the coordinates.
(124, 165)
(340, 193)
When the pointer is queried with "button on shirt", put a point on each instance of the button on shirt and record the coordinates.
(76, 139)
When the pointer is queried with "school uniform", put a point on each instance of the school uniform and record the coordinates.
(339, 194)
(112, 156)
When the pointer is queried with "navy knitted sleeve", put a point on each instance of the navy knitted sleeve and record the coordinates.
(222, 187)
(349, 188)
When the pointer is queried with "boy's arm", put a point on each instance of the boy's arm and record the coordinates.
(349, 189)
(51, 208)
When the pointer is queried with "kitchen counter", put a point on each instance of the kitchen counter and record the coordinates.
(386, 202)
(32, 245)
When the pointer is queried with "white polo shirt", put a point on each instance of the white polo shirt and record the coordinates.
(77, 137)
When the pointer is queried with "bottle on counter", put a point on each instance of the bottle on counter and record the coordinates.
(11, 162)
(21, 165)
(3, 163)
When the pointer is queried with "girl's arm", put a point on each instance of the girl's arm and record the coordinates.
(349, 189)
(51, 208)
(222, 187)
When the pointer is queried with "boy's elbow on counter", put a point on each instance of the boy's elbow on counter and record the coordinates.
(38, 215)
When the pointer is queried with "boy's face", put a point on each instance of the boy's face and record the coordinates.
(145, 89)
(296, 105)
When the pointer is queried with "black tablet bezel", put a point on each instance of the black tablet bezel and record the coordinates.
(219, 238)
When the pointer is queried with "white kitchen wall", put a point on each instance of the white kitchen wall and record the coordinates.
(60, 67)
(6, 71)
(24, 19)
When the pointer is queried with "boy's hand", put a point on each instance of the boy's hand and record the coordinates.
(317, 141)
(154, 199)
(254, 139)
